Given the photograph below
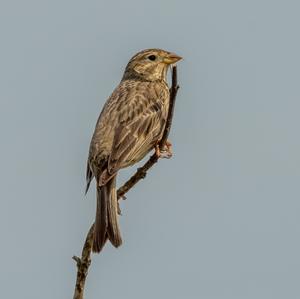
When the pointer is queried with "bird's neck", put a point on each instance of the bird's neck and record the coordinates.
(132, 75)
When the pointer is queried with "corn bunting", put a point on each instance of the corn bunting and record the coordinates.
(131, 123)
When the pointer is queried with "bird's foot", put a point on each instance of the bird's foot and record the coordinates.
(166, 152)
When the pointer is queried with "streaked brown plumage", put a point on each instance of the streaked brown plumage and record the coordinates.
(130, 125)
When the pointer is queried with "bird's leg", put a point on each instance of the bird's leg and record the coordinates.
(166, 152)
(157, 150)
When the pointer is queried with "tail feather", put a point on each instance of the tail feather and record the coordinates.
(113, 230)
(101, 222)
(106, 223)
(89, 177)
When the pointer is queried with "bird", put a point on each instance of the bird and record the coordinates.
(130, 125)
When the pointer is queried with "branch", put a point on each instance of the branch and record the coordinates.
(84, 262)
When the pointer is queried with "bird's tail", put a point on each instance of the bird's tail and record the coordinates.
(106, 223)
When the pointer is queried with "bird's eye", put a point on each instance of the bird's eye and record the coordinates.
(152, 57)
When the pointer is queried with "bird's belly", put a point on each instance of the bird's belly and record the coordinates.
(137, 158)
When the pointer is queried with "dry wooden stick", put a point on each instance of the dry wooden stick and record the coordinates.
(84, 262)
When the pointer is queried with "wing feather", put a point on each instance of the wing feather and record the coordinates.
(130, 124)
(136, 135)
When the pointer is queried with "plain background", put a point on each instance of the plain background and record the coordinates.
(219, 220)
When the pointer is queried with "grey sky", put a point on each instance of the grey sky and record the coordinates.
(218, 221)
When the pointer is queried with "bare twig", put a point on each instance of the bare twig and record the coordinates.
(84, 262)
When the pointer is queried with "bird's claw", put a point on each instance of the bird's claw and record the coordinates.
(166, 152)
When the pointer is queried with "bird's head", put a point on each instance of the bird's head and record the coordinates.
(150, 64)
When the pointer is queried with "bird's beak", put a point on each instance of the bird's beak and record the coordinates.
(171, 58)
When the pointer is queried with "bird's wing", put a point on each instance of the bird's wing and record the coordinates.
(139, 129)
